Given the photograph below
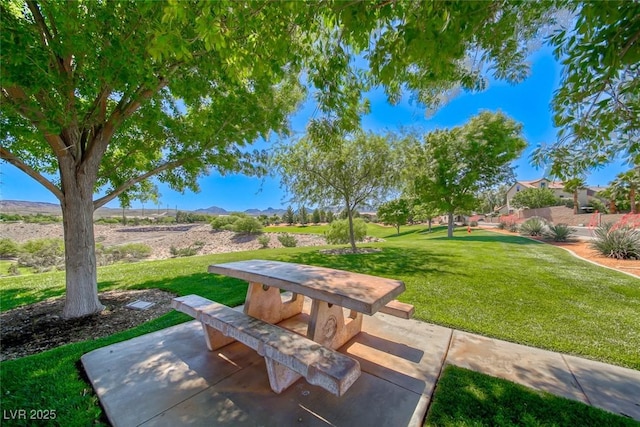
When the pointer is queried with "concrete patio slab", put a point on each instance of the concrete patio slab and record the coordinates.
(169, 378)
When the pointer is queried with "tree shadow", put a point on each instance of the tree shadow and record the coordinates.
(517, 240)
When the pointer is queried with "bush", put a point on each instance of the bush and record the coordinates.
(190, 250)
(222, 222)
(473, 223)
(620, 242)
(559, 233)
(513, 227)
(287, 240)
(338, 232)
(264, 241)
(42, 254)
(129, 252)
(534, 226)
(8, 248)
(247, 225)
(13, 270)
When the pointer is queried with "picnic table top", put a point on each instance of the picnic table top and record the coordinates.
(356, 291)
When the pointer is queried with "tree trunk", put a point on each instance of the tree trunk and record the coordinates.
(79, 243)
(450, 225)
(429, 225)
(398, 229)
(575, 202)
(352, 237)
(632, 199)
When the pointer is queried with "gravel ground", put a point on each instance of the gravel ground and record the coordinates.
(159, 238)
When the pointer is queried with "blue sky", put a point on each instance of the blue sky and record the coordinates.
(527, 103)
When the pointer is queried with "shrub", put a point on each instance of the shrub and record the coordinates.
(620, 242)
(8, 248)
(559, 233)
(247, 225)
(287, 240)
(473, 223)
(264, 241)
(129, 252)
(190, 250)
(513, 227)
(220, 222)
(338, 232)
(13, 269)
(534, 226)
(42, 254)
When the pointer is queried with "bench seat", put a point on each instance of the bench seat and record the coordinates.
(288, 356)
(398, 309)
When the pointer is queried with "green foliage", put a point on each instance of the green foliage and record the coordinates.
(349, 169)
(559, 232)
(596, 107)
(264, 241)
(190, 250)
(247, 225)
(192, 217)
(316, 217)
(467, 398)
(450, 167)
(395, 212)
(8, 248)
(303, 215)
(223, 222)
(130, 252)
(534, 198)
(289, 216)
(615, 241)
(338, 232)
(287, 240)
(31, 219)
(598, 205)
(42, 254)
(534, 226)
(10, 217)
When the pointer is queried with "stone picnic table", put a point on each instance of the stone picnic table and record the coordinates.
(339, 299)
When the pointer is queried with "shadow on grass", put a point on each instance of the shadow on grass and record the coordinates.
(390, 262)
(465, 397)
(225, 290)
(489, 239)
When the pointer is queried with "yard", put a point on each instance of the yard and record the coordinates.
(501, 286)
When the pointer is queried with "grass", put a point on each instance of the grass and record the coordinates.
(467, 398)
(502, 286)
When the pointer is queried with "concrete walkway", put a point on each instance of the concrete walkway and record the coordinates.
(169, 378)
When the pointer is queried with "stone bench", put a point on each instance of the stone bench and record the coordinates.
(288, 356)
(398, 309)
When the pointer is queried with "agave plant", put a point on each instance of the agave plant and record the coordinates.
(559, 232)
(620, 242)
(534, 226)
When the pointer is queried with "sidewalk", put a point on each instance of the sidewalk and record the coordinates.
(169, 378)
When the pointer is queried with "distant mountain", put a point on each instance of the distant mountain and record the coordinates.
(23, 207)
(269, 211)
(214, 210)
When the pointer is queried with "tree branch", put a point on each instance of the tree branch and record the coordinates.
(123, 187)
(19, 99)
(11, 158)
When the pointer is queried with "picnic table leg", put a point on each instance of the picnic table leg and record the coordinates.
(264, 303)
(214, 338)
(327, 324)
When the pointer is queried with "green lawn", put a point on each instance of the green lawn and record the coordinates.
(467, 398)
(506, 287)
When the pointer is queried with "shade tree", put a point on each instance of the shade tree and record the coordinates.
(449, 167)
(100, 96)
(351, 171)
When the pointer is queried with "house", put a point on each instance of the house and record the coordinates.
(584, 194)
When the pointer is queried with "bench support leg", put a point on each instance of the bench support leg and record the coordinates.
(280, 377)
(264, 303)
(327, 325)
(214, 338)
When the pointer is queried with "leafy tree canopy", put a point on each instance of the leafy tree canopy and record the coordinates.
(597, 106)
(100, 96)
(450, 167)
(395, 212)
(534, 198)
